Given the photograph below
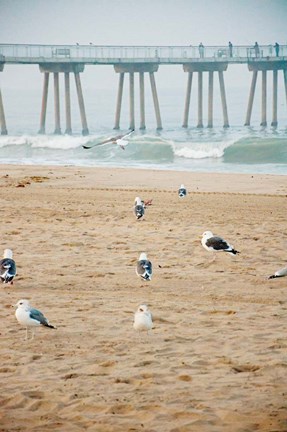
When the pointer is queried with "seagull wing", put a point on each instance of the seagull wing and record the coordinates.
(36, 315)
(217, 243)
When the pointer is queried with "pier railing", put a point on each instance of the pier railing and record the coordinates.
(95, 54)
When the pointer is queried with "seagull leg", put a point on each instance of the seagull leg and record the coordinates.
(33, 334)
(26, 338)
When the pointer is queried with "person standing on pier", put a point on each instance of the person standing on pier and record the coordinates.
(256, 49)
(201, 50)
(230, 46)
(277, 46)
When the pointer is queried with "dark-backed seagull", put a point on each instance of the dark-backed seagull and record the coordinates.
(144, 267)
(143, 319)
(279, 273)
(182, 191)
(7, 267)
(216, 244)
(30, 317)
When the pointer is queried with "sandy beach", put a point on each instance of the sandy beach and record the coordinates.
(216, 357)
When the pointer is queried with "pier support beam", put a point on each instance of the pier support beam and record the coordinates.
(57, 104)
(2, 117)
(210, 99)
(119, 100)
(251, 98)
(44, 103)
(264, 99)
(223, 99)
(200, 101)
(68, 104)
(275, 94)
(142, 101)
(85, 130)
(285, 82)
(141, 69)
(155, 101)
(132, 101)
(187, 100)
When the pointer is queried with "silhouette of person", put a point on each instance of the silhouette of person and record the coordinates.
(230, 49)
(201, 50)
(256, 49)
(277, 46)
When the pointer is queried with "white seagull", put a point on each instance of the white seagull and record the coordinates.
(7, 267)
(279, 273)
(182, 191)
(143, 319)
(216, 244)
(144, 267)
(30, 317)
(118, 139)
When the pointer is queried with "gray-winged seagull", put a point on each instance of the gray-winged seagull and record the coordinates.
(7, 267)
(144, 267)
(29, 317)
(182, 191)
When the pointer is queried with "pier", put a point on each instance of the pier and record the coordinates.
(137, 62)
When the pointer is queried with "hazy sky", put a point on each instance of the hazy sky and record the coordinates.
(143, 22)
(137, 22)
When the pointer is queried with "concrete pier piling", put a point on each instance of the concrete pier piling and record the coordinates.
(223, 99)
(2, 117)
(65, 69)
(275, 98)
(119, 100)
(187, 100)
(44, 103)
(85, 130)
(68, 130)
(57, 104)
(132, 101)
(264, 99)
(142, 101)
(200, 101)
(251, 98)
(141, 69)
(210, 99)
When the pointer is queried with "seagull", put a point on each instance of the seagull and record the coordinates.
(143, 319)
(279, 273)
(216, 244)
(139, 208)
(118, 139)
(7, 267)
(182, 191)
(144, 267)
(30, 317)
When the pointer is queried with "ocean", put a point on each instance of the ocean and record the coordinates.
(237, 149)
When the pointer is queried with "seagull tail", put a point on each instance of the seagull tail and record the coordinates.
(50, 326)
(234, 252)
(273, 276)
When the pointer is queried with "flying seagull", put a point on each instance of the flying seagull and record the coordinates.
(7, 267)
(118, 139)
(279, 273)
(30, 317)
(144, 267)
(216, 244)
(182, 191)
(143, 319)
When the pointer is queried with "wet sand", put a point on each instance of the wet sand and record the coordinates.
(216, 357)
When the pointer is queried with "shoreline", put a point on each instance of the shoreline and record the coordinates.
(161, 179)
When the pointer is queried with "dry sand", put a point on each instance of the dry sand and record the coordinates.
(216, 358)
